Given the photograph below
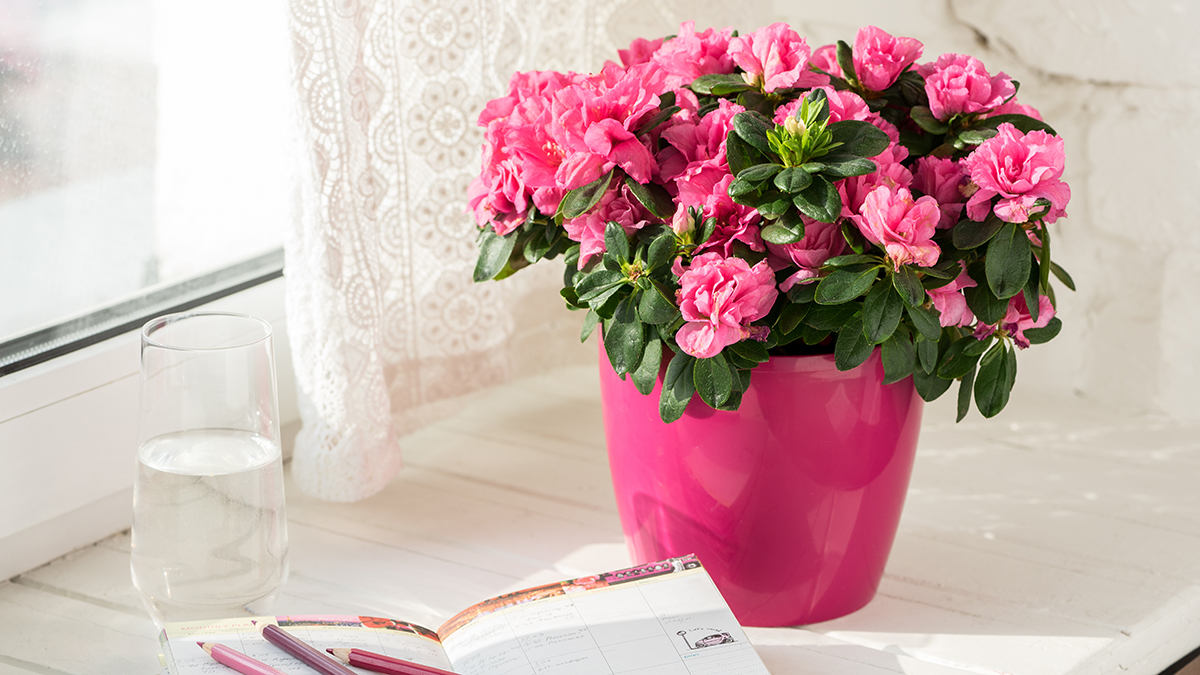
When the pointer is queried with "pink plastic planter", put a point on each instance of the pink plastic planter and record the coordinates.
(791, 502)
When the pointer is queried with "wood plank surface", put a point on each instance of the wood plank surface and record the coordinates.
(1055, 539)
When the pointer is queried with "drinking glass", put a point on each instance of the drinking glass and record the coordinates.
(209, 529)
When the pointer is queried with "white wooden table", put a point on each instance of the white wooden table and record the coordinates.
(1055, 539)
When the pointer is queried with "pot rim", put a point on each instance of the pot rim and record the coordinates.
(809, 363)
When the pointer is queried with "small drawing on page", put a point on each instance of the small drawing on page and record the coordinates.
(707, 637)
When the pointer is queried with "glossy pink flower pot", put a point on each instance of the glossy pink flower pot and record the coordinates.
(791, 502)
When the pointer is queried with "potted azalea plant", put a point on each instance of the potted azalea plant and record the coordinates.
(722, 201)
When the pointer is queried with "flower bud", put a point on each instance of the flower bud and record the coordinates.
(683, 223)
(794, 126)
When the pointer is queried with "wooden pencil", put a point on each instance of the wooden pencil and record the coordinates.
(361, 658)
(237, 660)
(303, 651)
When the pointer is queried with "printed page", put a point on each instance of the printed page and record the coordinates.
(667, 618)
(398, 639)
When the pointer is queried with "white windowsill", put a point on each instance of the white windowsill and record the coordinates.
(67, 439)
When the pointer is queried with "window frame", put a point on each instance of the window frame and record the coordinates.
(68, 430)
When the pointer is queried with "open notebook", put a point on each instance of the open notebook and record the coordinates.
(664, 618)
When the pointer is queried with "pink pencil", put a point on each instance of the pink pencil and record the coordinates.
(237, 660)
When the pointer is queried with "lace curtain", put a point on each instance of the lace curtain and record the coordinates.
(387, 326)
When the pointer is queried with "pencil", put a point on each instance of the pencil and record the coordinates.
(361, 658)
(306, 653)
(237, 660)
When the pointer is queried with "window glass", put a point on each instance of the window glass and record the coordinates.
(143, 144)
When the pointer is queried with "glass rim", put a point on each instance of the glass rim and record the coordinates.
(165, 320)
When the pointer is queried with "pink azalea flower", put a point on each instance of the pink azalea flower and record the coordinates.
(1012, 107)
(1017, 319)
(1020, 168)
(689, 54)
(719, 298)
(958, 84)
(692, 143)
(943, 179)
(777, 57)
(617, 206)
(879, 58)
(520, 159)
(903, 227)
(950, 302)
(821, 242)
(891, 172)
(594, 123)
(640, 50)
(825, 58)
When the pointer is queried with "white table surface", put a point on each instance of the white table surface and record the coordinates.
(1055, 539)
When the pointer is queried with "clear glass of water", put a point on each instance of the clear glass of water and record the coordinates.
(209, 529)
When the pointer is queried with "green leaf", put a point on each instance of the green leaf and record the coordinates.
(997, 373)
(624, 338)
(958, 360)
(654, 197)
(968, 234)
(652, 123)
(982, 302)
(677, 388)
(752, 127)
(1008, 261)
(1030, 290)
(1062, 275)
(908, 285)
(712, 379)
(727, 84)
(593, 285)
(751, 350)
(1037, 336)
(646, 374)
(656, 308)
(616, 242)
(494, 252)
(581, 200)
(803, 293)
(774, 204)
(662, 251)
(964, 393)
(844, 285)
(927, 355)
(589, 325)
(899, 358)
(1023, 123)
(707, 228)
(926, 321)
(882, 310)
(741, 186)
(852, 347)
(759, 172)
(775, 233)
(740, 154)
(845, 58)
(850, 259)
(924, 118)
(976, 136)
(846, 166)
(790, 317)
(572, 298)
(831, 317)
(858, 138)
(819, 201)
(792, 179)
(930, 387)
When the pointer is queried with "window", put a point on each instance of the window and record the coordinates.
(144, 168)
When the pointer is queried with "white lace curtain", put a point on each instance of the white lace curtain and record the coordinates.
(387, 326)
